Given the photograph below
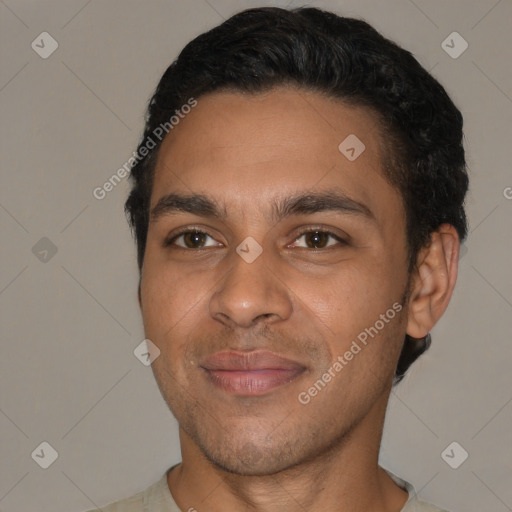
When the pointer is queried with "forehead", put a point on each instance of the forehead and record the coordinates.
(245, 149)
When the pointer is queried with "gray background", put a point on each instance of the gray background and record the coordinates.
(70, 323)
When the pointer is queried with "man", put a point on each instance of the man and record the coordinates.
(297, 203)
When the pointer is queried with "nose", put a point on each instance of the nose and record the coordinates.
(250, 293)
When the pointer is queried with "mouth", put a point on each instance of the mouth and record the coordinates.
(250, 373)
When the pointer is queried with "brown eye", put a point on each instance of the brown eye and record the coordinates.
(190, 240)
(318, 239)
(194, 239)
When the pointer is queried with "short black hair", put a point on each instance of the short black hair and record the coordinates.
(342, 58)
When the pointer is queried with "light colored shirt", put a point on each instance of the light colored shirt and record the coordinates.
(157, 498)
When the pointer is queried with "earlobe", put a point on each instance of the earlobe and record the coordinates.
(433, 281)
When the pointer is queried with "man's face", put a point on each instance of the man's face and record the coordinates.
(244, 336)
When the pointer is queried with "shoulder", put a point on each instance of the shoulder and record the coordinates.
(415, 505)
(154, 498)
(134, 503)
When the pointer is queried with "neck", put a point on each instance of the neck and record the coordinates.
(345, 477)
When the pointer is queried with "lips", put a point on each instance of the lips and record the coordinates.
(250, 373)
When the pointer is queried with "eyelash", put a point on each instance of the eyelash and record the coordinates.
(340, 240)
(169, 241)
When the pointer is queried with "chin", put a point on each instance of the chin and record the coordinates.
(249, 464)
(249, 459)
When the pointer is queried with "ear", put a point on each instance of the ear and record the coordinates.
(433, 281)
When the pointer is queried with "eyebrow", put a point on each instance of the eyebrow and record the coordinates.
(300, 204)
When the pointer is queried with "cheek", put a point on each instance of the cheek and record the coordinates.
(170, 312)
(361, 308)
(170, 299)
(352, 295)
